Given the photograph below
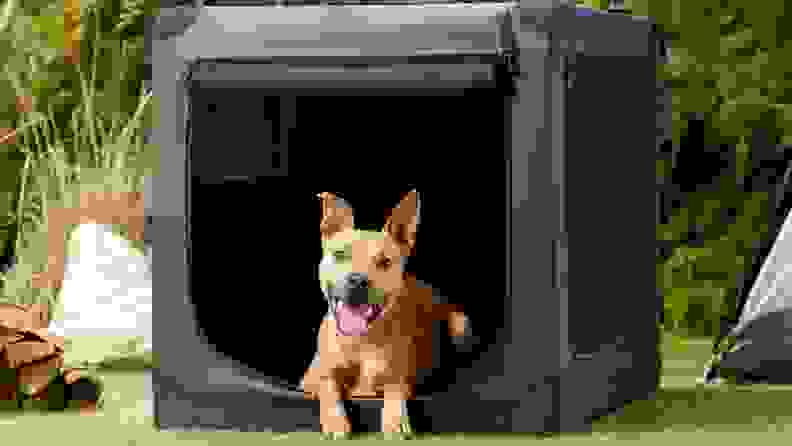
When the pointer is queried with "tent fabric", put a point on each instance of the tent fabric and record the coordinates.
(763, 353)
(772, 290)
(763, 333)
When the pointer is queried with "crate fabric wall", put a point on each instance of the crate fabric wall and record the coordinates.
(561, 125)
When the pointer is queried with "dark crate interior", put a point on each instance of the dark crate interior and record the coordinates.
(256, 163)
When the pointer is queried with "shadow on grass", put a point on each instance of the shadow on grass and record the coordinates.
(696, 409)
(133, 363)
(700, 408)
(130, 363)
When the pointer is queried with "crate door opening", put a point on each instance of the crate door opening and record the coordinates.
(255, 246)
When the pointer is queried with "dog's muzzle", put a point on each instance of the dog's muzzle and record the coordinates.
(353, 289)
(349, 303)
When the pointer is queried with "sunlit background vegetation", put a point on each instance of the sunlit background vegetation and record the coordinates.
(68, 126)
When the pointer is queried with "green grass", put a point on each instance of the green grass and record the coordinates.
(684, 407)
(683, 412)
(106, 151)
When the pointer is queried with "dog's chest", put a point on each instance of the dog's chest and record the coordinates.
(398, 339)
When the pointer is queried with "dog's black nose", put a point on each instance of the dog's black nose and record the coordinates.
(356, 280)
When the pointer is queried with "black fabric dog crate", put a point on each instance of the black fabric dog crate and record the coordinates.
(529, 131)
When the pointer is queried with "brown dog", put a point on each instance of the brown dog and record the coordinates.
(376, 338)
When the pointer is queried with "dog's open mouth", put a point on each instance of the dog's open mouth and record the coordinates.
(354, 319)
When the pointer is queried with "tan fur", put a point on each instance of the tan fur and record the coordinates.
(384, 362)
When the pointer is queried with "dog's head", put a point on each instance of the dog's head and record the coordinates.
(363, 272)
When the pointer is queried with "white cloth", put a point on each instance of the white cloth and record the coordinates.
(105, 301)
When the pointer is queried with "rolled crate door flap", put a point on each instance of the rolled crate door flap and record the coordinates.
(392, 74)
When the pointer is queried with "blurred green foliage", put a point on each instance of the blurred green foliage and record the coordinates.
(729, 72)
(63, 135)
(31, 55)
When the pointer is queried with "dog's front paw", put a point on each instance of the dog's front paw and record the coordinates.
(336, 426)
(397, 436)
(402, 432)
(335, 436)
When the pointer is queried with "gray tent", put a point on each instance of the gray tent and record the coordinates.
(760, 347)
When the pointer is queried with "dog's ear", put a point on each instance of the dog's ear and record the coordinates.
(402, 225)
(336, 214)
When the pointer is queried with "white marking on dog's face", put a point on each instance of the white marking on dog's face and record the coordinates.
(363, 252)
(326, 267)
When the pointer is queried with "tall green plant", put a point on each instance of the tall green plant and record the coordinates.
(49, 180)
(84, 130)
(32, 50)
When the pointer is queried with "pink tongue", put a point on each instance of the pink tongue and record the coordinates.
(353, 320)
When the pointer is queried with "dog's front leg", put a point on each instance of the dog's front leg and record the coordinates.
(308, 382)
(395, 419)
(333, 416)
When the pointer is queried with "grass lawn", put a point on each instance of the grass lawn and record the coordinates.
(682, 411)
(106, 147)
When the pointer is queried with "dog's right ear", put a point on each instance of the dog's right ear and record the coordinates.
(336, 214)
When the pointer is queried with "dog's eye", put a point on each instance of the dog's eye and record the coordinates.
(385, 263)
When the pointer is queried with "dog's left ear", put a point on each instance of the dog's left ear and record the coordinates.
(337, 214)
(402, 225)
